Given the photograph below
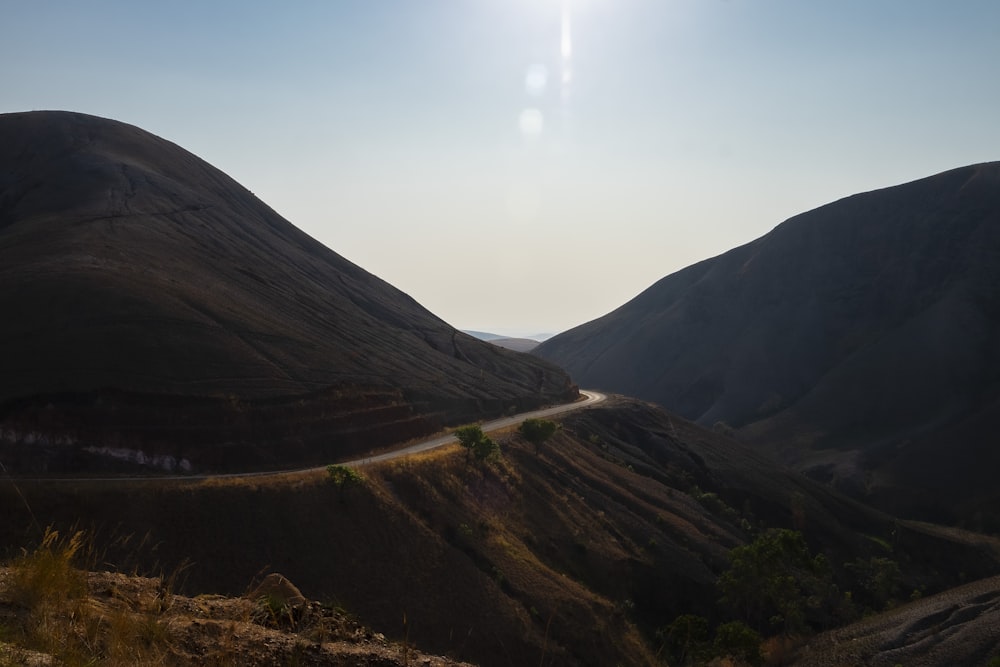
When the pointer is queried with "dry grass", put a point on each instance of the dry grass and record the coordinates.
(53, 613)
(558, 558)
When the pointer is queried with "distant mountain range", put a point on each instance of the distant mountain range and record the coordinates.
(151, 302)
(858, 341)
(526, 344)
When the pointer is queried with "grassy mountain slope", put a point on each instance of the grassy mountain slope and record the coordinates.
(859, 341)
(148, 299)
(575, 555)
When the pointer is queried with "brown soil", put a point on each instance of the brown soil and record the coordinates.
(169, 629)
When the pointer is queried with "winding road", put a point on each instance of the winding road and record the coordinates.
(591, 398)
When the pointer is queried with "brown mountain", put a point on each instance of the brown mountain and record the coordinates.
(150, 303)
(858, 341)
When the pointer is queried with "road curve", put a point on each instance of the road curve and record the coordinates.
(592, 397)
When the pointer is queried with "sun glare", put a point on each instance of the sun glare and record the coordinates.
(566, 39)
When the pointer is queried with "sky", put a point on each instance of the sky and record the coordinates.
(525, 166)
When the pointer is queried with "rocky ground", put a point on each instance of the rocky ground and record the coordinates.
(128, 620)
(957, 627)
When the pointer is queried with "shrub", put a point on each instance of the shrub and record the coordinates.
(537, 431)
(880, 578)
(344, 477)
(686, 638)
(775, 579)
(738, 640)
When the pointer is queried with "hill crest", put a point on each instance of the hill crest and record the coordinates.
(132, 272)
(845, 334)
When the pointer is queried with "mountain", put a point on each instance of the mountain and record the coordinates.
(155, 310)
(858, 341)
(506, 342)
(516, 344)
(483, 335)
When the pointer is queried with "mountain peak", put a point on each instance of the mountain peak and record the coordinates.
(129, 265)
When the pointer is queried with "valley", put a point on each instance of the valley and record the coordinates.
(787, 458)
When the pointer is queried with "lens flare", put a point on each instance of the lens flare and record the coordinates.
(566, 48)
(566, 42)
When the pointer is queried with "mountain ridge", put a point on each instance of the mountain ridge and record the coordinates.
(129, 265)
(834, 339)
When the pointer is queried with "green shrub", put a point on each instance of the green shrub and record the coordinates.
(537, 431)
(344, 477)
(738, 640)
(686, 639)
(774, 582)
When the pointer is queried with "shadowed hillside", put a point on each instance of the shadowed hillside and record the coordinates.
(575, 554)
(152, 303)
(858, 341)
(957, 627)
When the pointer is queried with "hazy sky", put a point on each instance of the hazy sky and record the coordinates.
(524, 166)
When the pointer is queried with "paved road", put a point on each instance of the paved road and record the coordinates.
(592, 397)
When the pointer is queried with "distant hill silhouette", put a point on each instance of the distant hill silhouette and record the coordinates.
(149, 302)
(858, 341)
(508, 342)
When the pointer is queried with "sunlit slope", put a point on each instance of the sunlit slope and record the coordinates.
(129, 265)
(573, 554)
(858, 337)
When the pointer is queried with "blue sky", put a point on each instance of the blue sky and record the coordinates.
(523, 166)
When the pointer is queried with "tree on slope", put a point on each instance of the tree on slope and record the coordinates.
(476, 443)
(537, 431)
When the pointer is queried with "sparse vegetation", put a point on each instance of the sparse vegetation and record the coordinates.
(537, 431)
(56, 615)
(738, 640)
(603, 556)
(880, 578)
(344, 478)
(476, 443)
(685, 640)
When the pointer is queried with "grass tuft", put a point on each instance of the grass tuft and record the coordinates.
(48, 575)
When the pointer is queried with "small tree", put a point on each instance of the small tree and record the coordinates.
(879, 578)
(537, 431)
(477, 443)
(344, 478)
(738, 640)
(686, 639)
